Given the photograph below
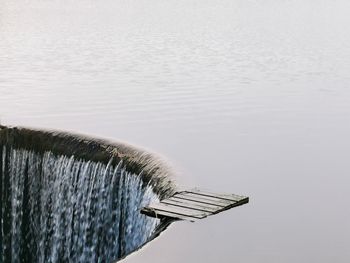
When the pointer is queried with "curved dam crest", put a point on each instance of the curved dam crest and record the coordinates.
(71, 198)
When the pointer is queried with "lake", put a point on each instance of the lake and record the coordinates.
(240, 96)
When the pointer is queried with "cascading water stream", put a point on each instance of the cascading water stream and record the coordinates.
(62, 208)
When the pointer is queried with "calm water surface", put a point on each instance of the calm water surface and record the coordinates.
(243, 96)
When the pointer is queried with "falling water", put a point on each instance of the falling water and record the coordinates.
(59, 208)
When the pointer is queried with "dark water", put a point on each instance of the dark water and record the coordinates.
(74, 206)
(250, 97)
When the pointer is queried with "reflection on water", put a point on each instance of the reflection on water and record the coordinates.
(256, 91)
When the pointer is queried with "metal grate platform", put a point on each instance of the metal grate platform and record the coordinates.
(193, 204)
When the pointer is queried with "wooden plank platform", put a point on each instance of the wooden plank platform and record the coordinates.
(193, 204)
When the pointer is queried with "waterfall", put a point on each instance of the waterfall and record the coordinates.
(63, 208)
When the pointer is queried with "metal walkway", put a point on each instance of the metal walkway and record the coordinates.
(193, 204)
